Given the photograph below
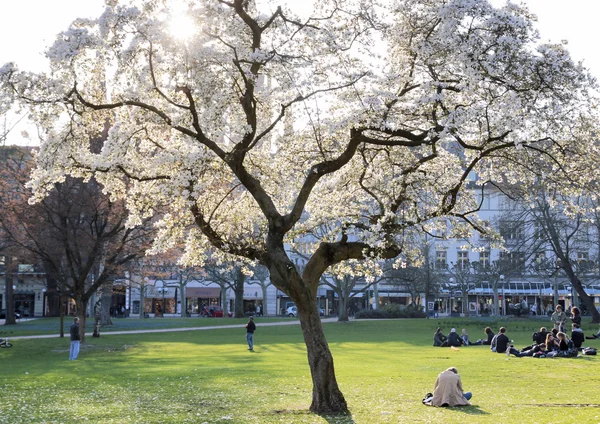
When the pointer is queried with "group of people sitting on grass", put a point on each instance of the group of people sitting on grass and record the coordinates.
(545, 343)
(453, 339)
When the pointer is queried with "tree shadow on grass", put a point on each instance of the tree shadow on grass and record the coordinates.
(331, 419)
(471, 410)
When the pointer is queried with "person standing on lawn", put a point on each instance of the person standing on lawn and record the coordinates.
(75, 339)
(559, 318)
(250, 328)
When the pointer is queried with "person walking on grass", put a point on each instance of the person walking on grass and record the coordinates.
(75, 339)
(250, 328)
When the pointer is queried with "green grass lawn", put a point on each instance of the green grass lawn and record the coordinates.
(384, 369)
(44, 326)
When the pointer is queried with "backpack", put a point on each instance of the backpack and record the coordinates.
(589, 351)
(539, 354)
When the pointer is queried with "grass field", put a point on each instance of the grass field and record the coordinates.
(384, 369)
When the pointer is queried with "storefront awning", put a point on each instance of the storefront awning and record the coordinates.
(202, 292)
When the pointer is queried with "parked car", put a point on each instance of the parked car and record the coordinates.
(292, 311)
(214, 312)
(3, 314)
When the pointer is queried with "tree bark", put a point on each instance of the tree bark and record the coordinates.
(9, 297)
(585, 299)
(238, 288)
(327, 397)
(105, 303)
(81, 307)
(343, 306)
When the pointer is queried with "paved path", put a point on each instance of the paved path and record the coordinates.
(172, 330)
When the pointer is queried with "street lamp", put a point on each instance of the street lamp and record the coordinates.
(451, 295)
(503, 295)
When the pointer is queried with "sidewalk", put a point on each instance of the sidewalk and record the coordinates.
(167, 330)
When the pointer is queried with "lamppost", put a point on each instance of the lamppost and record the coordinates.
(451, 295)
(503, 295)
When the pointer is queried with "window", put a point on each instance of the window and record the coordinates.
(441, 261)
(583, 261)
(463, 259)
(515, 261)
(583, 233)
(484, 259)
(511, 230)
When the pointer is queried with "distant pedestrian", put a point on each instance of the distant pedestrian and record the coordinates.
(75, 339)
(250, 328)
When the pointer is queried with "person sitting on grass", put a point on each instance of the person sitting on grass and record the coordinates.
(503, 344)
(454, 339)
(488, 341)
(563, 341)
(448, 390)
(465, 337)
(530, 350)
(439, 339)
(539, 337)
(552, 343)
(594, 336)
(577, 336)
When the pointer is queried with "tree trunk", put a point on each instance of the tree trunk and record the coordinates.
(265, 311)
(495, 309)
(9, 296)
(225, 301)
(81, 307)
(182, 300)
(106, 303)
(327, 397)
(142, 301)
(343, 306)
(585, 299)
(238, 288)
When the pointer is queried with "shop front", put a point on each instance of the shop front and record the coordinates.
(160, 301)
(199, 297)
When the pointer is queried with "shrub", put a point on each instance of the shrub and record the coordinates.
(392, 310)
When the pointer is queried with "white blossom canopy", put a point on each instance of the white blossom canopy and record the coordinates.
(263, 125)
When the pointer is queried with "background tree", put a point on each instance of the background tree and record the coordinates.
(382, 142)
(559, 224)
(229, 275)
(79, 235)
(261, 276)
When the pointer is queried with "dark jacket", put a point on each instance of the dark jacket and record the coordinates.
(250, 327)
(439, 339)
(75, 332)
(502, 343)
(576, 319)
(563, 345)
(454, 339)
(489, 339)
(577, 337)
(540, 337)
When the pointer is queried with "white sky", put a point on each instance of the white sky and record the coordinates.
(27, 27)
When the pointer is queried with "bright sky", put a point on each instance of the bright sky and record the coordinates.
(27, 27)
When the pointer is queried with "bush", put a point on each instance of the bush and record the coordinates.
(392, 311)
